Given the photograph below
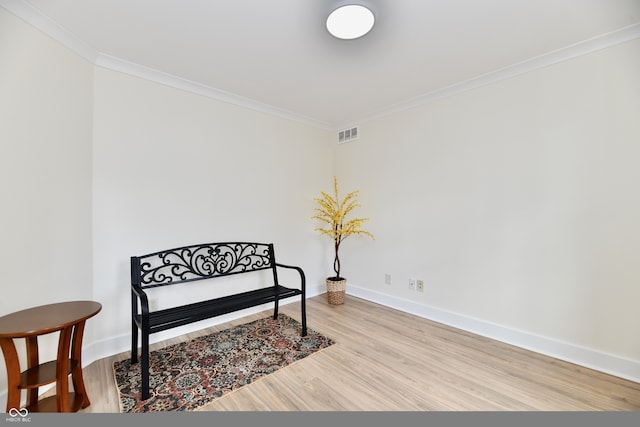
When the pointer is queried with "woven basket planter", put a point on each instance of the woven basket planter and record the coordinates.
(336, 290)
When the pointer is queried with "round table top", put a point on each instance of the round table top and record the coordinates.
(46, 318)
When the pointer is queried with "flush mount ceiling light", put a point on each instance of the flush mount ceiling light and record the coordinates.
(350, 21)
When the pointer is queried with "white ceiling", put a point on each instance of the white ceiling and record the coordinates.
(277, 54)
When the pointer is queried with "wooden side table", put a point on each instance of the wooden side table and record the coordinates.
(68, 318)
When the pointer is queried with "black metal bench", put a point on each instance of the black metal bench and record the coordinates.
(199, 262)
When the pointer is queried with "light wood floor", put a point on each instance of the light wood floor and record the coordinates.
(387, 360)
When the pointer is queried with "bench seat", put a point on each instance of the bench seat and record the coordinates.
(178, 316)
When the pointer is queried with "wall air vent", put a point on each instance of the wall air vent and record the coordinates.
(347, 135)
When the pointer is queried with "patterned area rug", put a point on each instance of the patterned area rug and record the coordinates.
(186, 376)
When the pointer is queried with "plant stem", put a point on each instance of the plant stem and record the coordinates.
(336, 261)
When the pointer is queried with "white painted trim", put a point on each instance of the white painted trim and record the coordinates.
(590, 358)
(37, 19)
(583, 356)
(120, 65)
(584, 47)
(34, 17)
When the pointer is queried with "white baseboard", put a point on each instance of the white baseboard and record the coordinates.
(587, 357)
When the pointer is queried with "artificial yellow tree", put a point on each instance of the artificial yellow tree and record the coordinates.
(334, 213)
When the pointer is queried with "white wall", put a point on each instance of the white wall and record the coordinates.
(172, 168)
(517, 203)
(45, 173)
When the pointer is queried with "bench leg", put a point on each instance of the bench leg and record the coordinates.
(303, 310)
(275, 310)
(144, 366)
(134, 342)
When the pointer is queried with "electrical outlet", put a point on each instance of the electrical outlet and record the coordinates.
(153, 304)
(387, 279)
(420, 285)
(412, 284)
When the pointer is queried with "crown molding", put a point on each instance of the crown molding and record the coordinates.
(35, 18)
(584, 47)
(120, 65)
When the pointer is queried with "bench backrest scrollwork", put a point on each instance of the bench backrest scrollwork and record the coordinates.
(197, 262)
